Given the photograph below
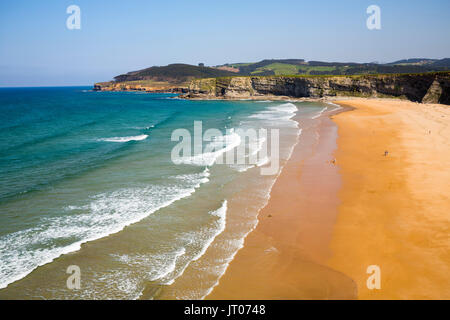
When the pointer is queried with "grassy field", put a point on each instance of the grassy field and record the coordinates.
(301, 67)
(292, 69)
(353, 76)
(308, 69)
(278, 68)
(238, 65)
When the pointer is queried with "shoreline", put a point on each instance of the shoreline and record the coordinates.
(268, 97)
(306, 250)
(336, 208)
(117, 251)
(275, 98)
(271, 265)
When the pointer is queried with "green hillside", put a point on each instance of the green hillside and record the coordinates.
(173, 73)
(301, 67)
(179, 75)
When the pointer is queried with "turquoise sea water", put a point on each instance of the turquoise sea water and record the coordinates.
(77, 165)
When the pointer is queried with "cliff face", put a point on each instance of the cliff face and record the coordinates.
(136, 86)
(426, 87)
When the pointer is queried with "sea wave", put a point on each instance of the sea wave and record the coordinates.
(107, 213)
(337, 107)
(144, 128)
(278, 115)
(218, 147)
(263, 162)
(158, 265)
(238, 243)
(319, 113)
(125, 139)
(201, 241)
(126, 280)
(325, 109)
(255, 145)
(218, 228)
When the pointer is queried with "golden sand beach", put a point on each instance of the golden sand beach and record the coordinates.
(380, 197)
(395, 198)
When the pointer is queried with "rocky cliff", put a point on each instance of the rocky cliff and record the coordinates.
(139, 86)
(425, 87)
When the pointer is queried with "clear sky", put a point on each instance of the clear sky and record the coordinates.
(36, 48)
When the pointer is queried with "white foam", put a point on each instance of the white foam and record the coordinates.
(262, 162)
(125, 139)
(239, 243)
(236, 244)
(128, 279)
(205, 238)
(256, 146)
(157, 265)
(333, 104)
(319, 113)
(285, 107)
(144, 128)
(220, 224)
(123, 282)
(196, 178)
(241, 167)
(227, 142)
(107, 213)
(281, 114)
(338, 107)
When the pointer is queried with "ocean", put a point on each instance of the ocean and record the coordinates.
(88, 180)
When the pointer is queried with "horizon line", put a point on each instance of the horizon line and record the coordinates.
(43, 86)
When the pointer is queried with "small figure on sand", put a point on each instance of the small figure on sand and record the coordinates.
(386, 153)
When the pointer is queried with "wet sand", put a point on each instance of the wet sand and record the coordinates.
(326, 222)
(284, 257)
(395, 210)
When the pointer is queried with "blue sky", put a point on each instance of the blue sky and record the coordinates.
(115, 37)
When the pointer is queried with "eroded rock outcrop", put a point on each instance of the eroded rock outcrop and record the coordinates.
(130, 86)
(426, 87)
